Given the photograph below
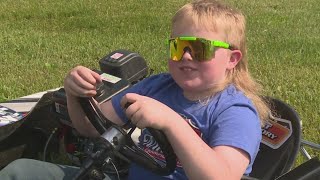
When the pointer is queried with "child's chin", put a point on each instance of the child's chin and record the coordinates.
(189, 86)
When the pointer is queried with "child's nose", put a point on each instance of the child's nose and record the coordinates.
(187, 54)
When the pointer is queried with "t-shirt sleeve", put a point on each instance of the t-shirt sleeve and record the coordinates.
(239, 127)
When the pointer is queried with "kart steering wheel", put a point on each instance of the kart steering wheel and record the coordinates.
(121, 142)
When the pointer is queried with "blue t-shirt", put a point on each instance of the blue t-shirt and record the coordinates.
(229, 118)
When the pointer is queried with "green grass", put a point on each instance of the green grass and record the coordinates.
(41, 41)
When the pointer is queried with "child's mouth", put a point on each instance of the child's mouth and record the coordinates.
(187, 69)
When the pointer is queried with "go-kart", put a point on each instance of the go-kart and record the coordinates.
(45, 129)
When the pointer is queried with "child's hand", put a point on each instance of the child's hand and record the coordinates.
(81, 82)
(147, 112)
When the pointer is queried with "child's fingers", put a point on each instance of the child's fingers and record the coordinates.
(77, 90)
(88, 75)
(131, 105)
(83, 83)
(128, 99)
(137, 119)
(96, 76)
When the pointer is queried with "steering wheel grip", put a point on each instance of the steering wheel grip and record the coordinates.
(130, 150)
(140, 157)
(165, 146)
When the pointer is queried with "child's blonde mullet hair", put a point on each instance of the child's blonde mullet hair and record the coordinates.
(214, 16)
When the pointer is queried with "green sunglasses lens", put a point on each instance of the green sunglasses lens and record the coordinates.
(199, 48)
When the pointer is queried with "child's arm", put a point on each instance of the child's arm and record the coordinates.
(201, 161)
(81, 82)
(198, 159)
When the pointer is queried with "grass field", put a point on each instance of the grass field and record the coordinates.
(41, 41)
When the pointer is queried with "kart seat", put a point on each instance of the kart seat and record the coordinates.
(277, 157)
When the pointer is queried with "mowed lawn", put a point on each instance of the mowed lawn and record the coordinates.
(40, 41)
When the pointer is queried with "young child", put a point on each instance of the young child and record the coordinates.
(208, 105)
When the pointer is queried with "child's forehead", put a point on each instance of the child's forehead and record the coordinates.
(187, 28)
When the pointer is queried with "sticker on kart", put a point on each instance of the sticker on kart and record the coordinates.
(8, 116)
(276, 132)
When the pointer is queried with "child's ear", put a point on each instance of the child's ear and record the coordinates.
(235, 57)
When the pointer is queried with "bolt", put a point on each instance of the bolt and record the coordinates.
(115, 141)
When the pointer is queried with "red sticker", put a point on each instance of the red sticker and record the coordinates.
(276, 132)
(116, 56)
